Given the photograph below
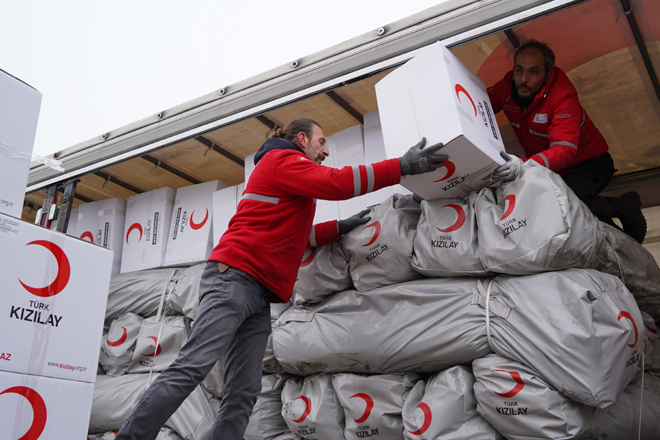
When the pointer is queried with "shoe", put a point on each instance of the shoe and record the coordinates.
(629, 207)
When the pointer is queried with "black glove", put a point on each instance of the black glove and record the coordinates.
(346, 225)
(419, 160)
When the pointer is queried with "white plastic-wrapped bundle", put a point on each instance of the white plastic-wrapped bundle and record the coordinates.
(118, 345)
(623, 417)
(139, 292)
(446, 242)
(184, 298)
(380, 251)
(323, 271)
(270, 364)
(579, 328)
(444, 407)
(115, 398)
(311, 409)
(420, 326)
(266, 420)
(158, 343)
(651, 348)
(535, 224)
(520, 404)
(373, 404)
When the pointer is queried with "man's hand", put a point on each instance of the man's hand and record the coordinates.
(346, 225)
(510, 170)
(419, 160)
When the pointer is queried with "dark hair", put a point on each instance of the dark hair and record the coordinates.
(548, 54)
(290, 132)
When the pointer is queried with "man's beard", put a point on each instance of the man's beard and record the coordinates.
(521, 101)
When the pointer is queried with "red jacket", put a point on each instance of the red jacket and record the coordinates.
(554, 130)
(272, 227)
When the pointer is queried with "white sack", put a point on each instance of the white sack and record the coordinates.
(444, 407)
(379, 252)
(651, 347)
(115, 398)
(270, 364)
(118, 345)
(446, 242)
(139, 292)
(322, 272)
(266, 420)
(624, 415)
(534, 224)
(184, 298)
(311, 409)
(158, 343)
(373, 404)
(420, 326)
(579, 328)
(520, 404)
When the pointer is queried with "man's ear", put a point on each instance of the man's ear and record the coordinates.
(302, 140)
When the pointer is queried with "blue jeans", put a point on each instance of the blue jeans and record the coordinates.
(233, 323)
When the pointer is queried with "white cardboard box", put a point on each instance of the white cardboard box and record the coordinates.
(190, 239)
(102, 222)
(35, 407)
(434, 95)
(52, 307)
(19, 114)
(225, 202)
(146, 227)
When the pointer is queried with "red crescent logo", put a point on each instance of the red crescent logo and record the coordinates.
(307, 261)
(427, 419)
(460, 221)
(509, 208)
(376, 226)
(156, 352)
(367, 410)
(197, 226)
(451, 169)
(131, 228)
(87, 235)
(308, 408)
(627, 315)
(515, 390)
(38, 410)
(652, 330)
(119, 341)
(63, 271)
(460, 89)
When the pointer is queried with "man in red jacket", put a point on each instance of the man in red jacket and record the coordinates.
(256, 262)
(543, 108)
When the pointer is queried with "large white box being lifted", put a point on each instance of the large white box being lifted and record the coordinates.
(434, 95)
(52, 307)
(43, 407)
(19, 113)
(146, 227)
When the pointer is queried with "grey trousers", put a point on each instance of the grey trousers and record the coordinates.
(233, 323)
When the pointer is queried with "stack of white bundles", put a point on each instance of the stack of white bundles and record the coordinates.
(158, 343)
(323, 271)
(266, 421)
(520, 404)
(139, 292)
(420, 326)
(373, 404)
(379, 252)
(535, 224)
(311, 409)
(118, 344)
(444, 406)
(270, 364)
(446, 242)
(579, 328)
(115, 398)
